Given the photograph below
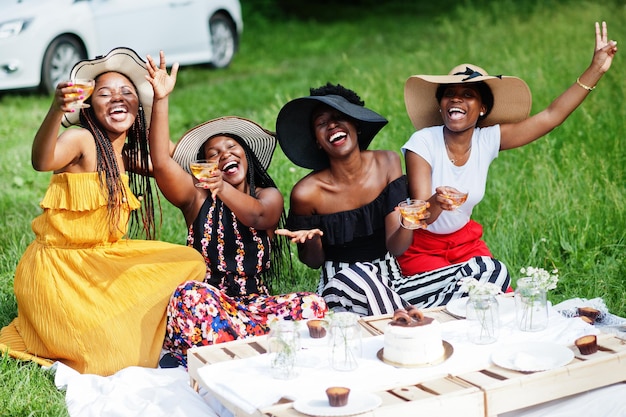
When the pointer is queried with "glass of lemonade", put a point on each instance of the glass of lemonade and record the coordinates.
(202, 170)
(87, 86)
(414, 212)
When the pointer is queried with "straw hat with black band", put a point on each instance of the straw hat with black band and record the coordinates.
(261, 142)
(511, 96)
(124, 61)
(295, 132)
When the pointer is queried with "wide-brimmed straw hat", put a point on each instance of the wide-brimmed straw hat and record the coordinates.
(261, 142)
(295, 132)
(511, 96)
(122, 60)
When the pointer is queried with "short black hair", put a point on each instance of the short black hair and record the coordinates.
(338, 90)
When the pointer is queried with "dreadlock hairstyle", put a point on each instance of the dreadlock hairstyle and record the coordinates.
(258, 176)
(142, 220)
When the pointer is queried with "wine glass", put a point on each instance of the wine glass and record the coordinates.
(202, 169)
(414, 212)
(458, 197)
(87, 86)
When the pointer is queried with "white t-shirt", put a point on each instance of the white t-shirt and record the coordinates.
(429, 144)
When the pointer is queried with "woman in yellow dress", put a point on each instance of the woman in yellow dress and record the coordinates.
(88, 295)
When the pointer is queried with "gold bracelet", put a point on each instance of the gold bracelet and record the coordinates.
(586, 87)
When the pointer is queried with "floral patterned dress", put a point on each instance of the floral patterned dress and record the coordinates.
(233, 301)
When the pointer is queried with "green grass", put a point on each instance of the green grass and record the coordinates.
(559, 202)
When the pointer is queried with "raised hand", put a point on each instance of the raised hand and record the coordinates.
(65, 96)
(162, 82)
(605, 49)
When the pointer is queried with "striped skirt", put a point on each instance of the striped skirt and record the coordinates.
(378, 287)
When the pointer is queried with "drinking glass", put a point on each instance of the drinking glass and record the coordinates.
(202, 170)
(87, 86)
(458, 197)
(414, 212)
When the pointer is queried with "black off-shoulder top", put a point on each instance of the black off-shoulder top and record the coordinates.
(355, 235)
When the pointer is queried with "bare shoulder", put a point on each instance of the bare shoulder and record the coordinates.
(270, 194)
(389, 162)
(75, 132)
(77, 138)
(305, 194)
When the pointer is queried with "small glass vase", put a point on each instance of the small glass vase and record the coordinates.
(345, 341)
(531, 306)
(283, 346)
(483, 318)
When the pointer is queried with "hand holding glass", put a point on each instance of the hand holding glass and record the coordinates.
(458, 197)
(87, 86)
(414, 212)
(203, 169)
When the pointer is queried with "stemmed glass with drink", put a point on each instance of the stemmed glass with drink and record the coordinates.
(87, 86)
(414, 213)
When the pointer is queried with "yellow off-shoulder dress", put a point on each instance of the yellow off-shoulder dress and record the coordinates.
(86, 295)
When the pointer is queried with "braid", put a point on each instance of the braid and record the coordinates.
(142, 220)
(280, 251)
(106, 165)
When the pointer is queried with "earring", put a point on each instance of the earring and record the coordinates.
(482, 113)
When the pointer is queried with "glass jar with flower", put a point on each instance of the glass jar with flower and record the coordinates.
(284, 343)
(531, 302)
(345, 341)
(482, 310)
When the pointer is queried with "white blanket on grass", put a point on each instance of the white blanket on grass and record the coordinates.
(131, 392)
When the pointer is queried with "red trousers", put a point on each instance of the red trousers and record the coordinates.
(430, 251)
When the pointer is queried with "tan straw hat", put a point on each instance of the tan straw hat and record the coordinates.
(122, 60)
(261, 142)
(511, 96)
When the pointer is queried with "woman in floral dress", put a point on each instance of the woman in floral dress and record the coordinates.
(231, 218)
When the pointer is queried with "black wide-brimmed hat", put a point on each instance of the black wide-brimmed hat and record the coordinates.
(294, 129)
(261, 142)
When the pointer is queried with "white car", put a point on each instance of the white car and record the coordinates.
(41, 40)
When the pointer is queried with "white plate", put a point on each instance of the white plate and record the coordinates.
(358, 402)
(456, 307)
(532, 356)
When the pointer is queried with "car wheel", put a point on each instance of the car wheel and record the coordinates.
(223, 40)
(58, 61)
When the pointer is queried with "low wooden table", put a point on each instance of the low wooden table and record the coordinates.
(487, 392)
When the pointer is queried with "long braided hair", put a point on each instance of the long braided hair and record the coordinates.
(142, 222)
(258, 176)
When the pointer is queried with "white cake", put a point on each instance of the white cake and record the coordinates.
(412, 339)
